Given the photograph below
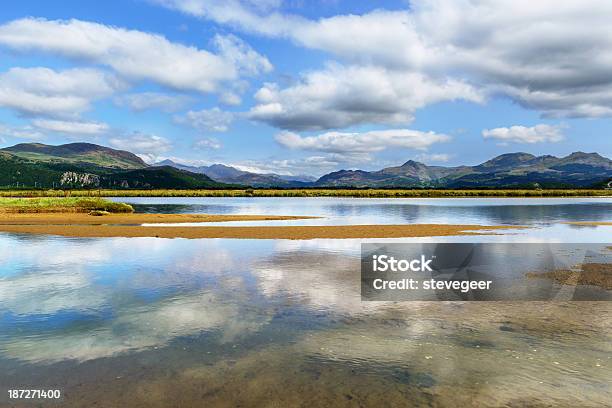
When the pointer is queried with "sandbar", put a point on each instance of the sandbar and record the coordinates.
(77, 225)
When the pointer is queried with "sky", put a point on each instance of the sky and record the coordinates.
(308, 87)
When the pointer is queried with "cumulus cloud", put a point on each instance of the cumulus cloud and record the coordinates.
(209, 143)
(317, 164)
(366, 142)
(241, 55)
(383, 37)
(43, 91)
(253, 16)
(135, 54)
(76, 128)
(434, 157)
(148, 147)
(522, 134)
(341, 96)
(551, 56)
(139, 102)
(213, 119)
(309, 165)
(20, 132)
(230, 98)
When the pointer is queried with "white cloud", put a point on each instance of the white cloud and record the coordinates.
(434, 157)
(20, 132)
(139, 102)
(359, 143)
(316, 165)
(77, 128)
(135, 54)
(305, 165)
(551, 56)
(214, 119)
(43, 91)
(310, 165)
(230, 98)
(182, 160)
(209, 143)
(241, 55)
(147, 147)
(250, 15)
(341, 96)
(521, 134)
(382, 37)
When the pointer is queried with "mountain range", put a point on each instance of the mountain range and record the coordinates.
(232, 175)
(512, 170)
(86, 165)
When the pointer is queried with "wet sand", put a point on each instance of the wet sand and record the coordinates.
(434, 354)
(594, 223)
(274, 232)
(87, 226)
(596, 274)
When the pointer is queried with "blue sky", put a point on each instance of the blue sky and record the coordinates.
(307, 87)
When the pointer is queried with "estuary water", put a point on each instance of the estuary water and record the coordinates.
(149, 322)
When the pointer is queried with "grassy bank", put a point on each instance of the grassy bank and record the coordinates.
(370, 193)
(61, 204)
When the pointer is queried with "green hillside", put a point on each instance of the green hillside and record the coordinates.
(83, 165)
(16, 172)
(159, 177)
(77, 153)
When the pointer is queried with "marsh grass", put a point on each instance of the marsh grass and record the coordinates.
(62, 204)
(365, 193)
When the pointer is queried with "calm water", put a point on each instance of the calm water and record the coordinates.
(149, 322)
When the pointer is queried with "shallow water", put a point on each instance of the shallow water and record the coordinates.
(490, 211)
(149, 322)
(544, 216)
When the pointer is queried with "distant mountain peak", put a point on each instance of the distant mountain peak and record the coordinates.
(519, 157)
(221, 166)
(507, 161)
(583, 155)
(166, 162)
(412, 163)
